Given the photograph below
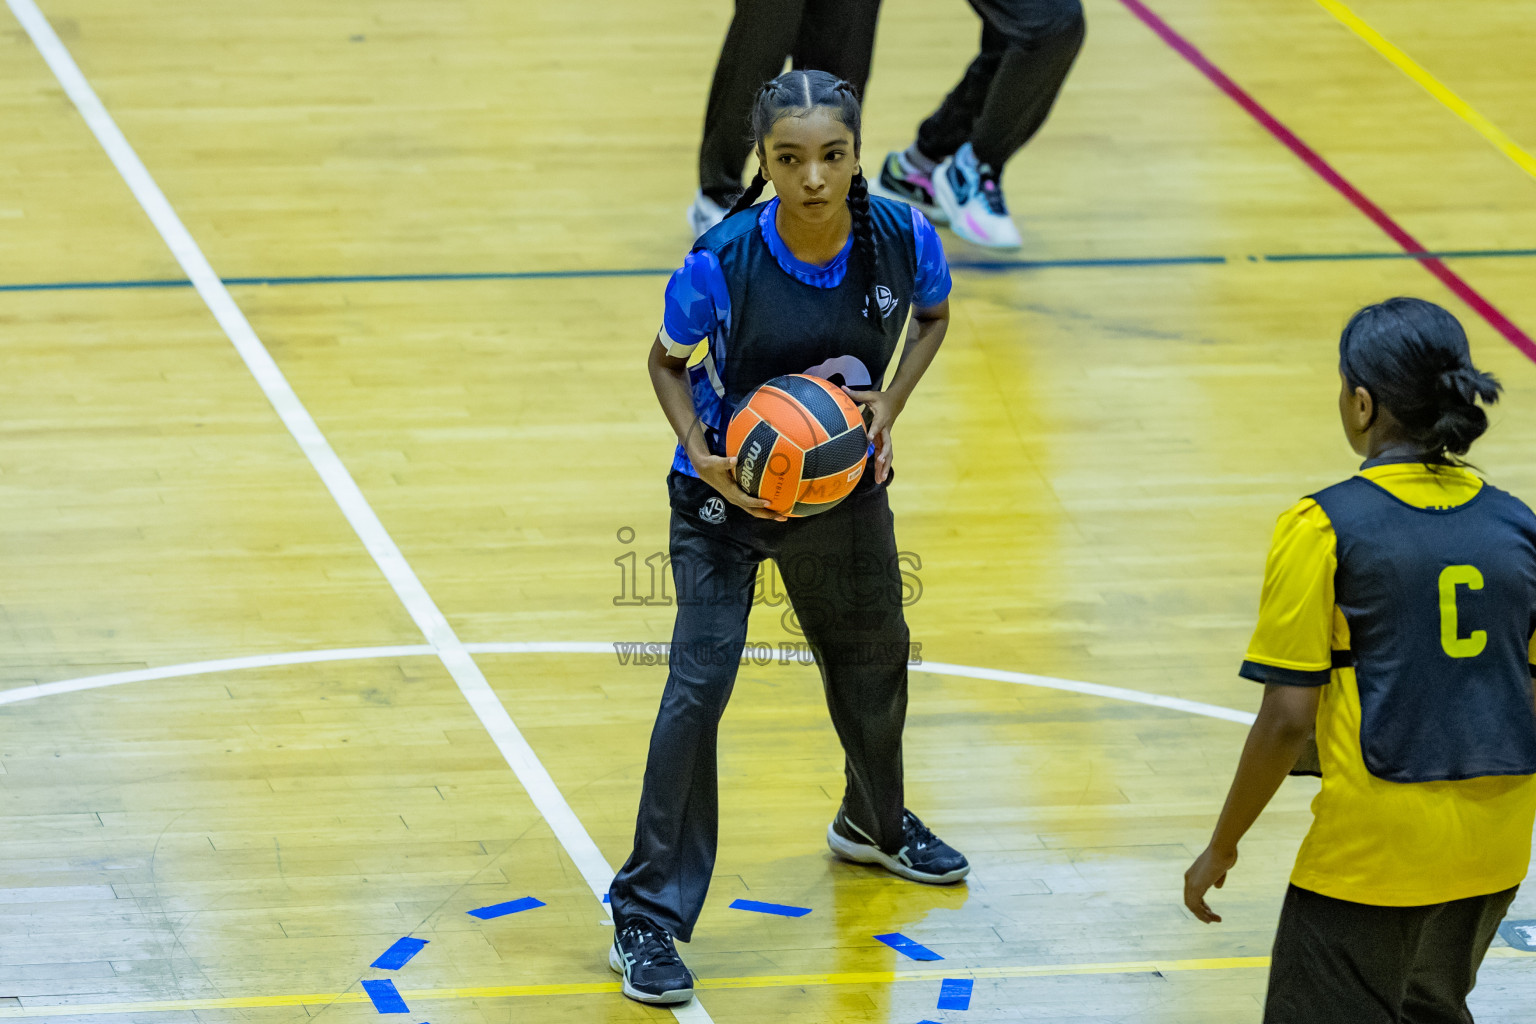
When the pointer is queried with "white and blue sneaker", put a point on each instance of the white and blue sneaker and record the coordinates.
(704, 214)
(972, 199)
(900, 181)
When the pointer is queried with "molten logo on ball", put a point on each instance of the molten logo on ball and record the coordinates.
(800, 444)
(746, 467)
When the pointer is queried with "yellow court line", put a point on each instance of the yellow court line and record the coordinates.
(1408, 66)
(707, 984)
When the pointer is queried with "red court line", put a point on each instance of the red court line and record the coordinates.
(1324, 170)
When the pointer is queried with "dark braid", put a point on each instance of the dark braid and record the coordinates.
(864, 246)
(752, 193)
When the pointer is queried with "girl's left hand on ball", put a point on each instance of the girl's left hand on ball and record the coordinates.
(882, 408)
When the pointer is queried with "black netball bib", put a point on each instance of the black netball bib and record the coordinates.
(1441, 604)
(780, 324)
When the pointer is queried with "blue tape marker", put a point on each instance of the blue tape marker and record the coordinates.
(385, 998)
(955, 993)
(398, 955)
(503, 909)
(605, 897)
(1520, 934)
(907, 948)
(770, 908)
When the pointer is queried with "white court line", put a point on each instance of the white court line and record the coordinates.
(198, 668)
(541, 789)
(938, 668)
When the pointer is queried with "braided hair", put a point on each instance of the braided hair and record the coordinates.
(1412, 357)
(795, 94)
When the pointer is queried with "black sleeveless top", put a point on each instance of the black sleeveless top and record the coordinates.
(1441, 606)
(779, 324)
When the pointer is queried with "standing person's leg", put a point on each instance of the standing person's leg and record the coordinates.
(1027, 48)
(1043, 38)
(1455, 940)
(838, 37)
(907, 175)
(841, 572)
(665, 879)
(1337, 962)
(949, 127)
(756, 45)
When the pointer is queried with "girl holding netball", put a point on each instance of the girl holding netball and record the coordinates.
(1396, 621)
(819, 281)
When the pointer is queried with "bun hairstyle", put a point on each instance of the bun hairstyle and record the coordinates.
(795, 94)
(1413, 359)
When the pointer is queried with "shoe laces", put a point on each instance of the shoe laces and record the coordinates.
(992, 190)
(654, 945)
(915, 833)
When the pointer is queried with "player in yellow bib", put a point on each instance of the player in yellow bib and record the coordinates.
(1396, 624)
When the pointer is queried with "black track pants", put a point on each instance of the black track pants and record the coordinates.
(841, 574)
(1027, 48)
(1337, 962)
(837, 36)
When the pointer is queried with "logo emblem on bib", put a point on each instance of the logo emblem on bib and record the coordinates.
(713, 511)
(886, 300)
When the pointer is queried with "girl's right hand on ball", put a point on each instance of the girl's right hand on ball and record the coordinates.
(720, 473)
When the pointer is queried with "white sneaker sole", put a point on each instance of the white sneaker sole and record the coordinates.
(862, 853)
(954, 215)
(677, 995)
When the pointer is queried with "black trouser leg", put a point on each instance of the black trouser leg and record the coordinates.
(837, 36)
(1451, 949)
(841, 574)
(1027, 48)
(760, 38)
(677, 828)
(1337, 962)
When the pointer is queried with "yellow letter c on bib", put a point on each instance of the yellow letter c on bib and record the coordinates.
(1455, 645)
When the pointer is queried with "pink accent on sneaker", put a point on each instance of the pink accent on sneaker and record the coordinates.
(970, 222)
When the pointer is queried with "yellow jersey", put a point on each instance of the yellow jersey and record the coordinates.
(1374, 841)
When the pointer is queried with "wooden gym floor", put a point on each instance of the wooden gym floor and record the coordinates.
(1088, 475)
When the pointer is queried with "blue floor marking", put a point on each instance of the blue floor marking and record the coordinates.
(770, 908)
(398, 955)
(957, 264)
(503, 909)
(907, 948)
(1448, 254)
(1129, 261)
(66, 286)
(955, 993)
(385, 998)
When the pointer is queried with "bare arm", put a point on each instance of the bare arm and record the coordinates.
(922, 345)
(669, 376)
(1285, 720)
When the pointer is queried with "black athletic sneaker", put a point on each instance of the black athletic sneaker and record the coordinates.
(923, 856)
(900, 181)
(653, 972)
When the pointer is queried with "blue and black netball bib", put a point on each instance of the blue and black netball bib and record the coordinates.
(1441, 605)
(765, 313)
